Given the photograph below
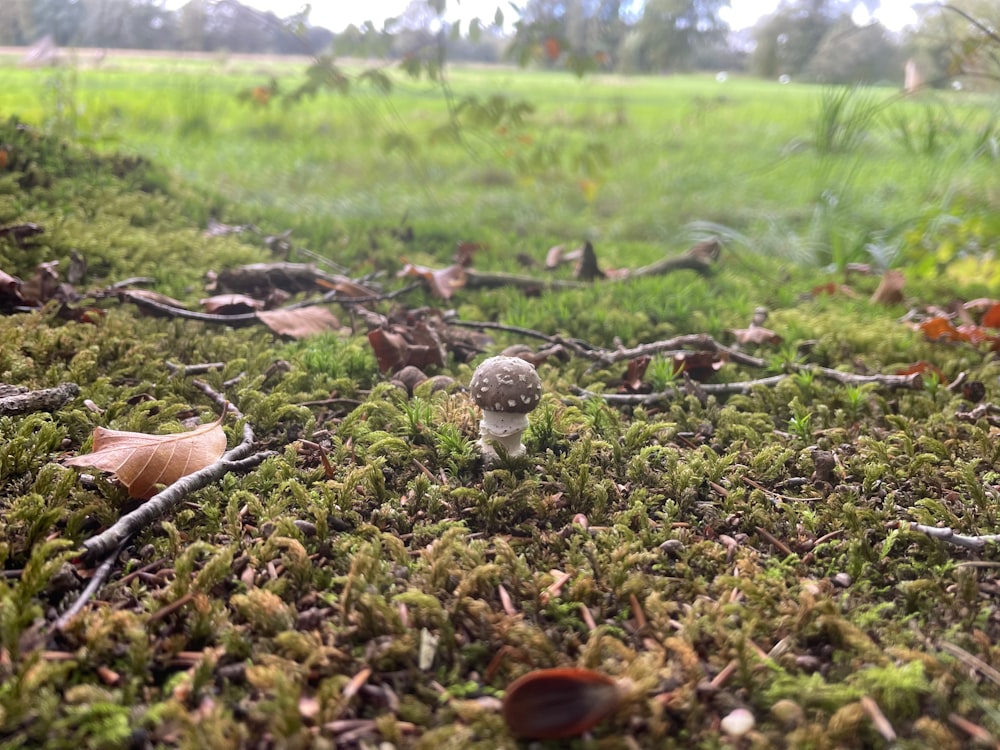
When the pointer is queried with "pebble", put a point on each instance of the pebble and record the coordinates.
(738, 723)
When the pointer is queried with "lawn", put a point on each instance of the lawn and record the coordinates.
(754, 534)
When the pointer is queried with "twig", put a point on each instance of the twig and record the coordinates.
(972, 661)
(946, 534)
(198, 369)
(95, 583)
(640, 399)
(22, 401)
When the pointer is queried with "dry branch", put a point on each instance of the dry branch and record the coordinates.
(18, 400)
(946, 534)
(93, 586)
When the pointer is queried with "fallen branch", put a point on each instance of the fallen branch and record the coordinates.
(946, 534)
(95, 583)
(17, 400)
(237, 459)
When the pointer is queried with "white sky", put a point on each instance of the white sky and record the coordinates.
(337, 14)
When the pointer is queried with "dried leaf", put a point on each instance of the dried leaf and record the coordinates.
(21, 232)
(10, 287)
(555, 256)
(441, 282)
(231, 304)
(301, 322)
(632, 380)
(587, 268)
(831, 288)
(141, 461)
(922, 367)
(42, 286)
(143, 296)
(699, 366)
(991, 318)
(755, 335)
(397, 347)
(464, 252)
(890, 289)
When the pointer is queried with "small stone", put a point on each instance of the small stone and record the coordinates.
(738, 723)
(842, 579)
(788, 712)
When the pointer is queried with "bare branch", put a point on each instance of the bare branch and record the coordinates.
(946, 534)
(93, 586)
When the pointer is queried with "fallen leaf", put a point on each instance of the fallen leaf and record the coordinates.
(231, 304)
(141, 461)
(922, 367)
(42, 286)
(347, 288)
(831, 288)
(755, 335)
(441, 282)
(21, 232)
(464, 252)
(397, 347)
(632, 380)
(890, 289)
(142, 298)
(300, 322)
(991, 318)
(587, 268)
(699, 366)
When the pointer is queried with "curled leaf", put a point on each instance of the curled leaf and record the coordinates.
(299, 322)
(441, 282)
(142, 461)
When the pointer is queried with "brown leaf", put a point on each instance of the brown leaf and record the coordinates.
(21, 232)
(397, 347)
(587, 268)
(441, 282)
(141, 461)
(558, 255)
(922, 367)
(890, 289)
(464, 252)
(559, 703)
(699, 366)
(707, 251)
(632, 380)
(231, 304)
(10, 290)
(755, 335)
(299, 323)
(991, 318)
(42, 286)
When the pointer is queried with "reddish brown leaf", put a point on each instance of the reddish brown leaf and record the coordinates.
(397, 347)
(231, 304)
(559, 703)
(464, 252)
(755, 335)
(922, 367)
(10, 289)
(42, 286)
(141, 461)
(699, 366)
(301, 322)
(632, 380)
(890, 289)
(441, 282)
(832, 288)
(991, 318)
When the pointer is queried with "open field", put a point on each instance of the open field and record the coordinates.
(753, 534)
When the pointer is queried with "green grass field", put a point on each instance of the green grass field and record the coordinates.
(631, 163)
(373, 583)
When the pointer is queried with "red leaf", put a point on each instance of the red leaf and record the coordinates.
(921, 367)
(699, 366)
(991, 318)
(552, 47)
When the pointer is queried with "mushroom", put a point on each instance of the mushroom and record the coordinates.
(506, 388)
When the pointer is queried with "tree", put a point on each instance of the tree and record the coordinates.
(958, 40)
(787, 39)
(849, 53)
(670, 33)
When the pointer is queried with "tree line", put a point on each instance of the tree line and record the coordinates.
(817, 40)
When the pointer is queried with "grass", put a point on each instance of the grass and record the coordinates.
(745, 551)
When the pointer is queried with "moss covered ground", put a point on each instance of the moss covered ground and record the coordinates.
(373, 584)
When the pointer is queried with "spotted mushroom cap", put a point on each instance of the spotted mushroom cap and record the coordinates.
(506, 384)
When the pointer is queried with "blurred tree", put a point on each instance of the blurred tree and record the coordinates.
(37, 18)
(578, 34)
(787, 39)
(849, 53)
(958, 41)
(671, 33)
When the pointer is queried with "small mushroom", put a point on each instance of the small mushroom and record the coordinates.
(506, 388)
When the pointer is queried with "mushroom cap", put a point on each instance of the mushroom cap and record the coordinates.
(506, 384)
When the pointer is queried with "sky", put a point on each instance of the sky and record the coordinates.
(337, 14)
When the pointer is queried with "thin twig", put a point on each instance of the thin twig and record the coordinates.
(946, 534)
(972, 661)
(646, 399)
(95, 583)
(197, 369)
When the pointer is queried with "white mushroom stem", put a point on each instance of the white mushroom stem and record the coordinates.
(503, 429)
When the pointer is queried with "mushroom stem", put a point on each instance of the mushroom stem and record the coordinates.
(511, 443)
